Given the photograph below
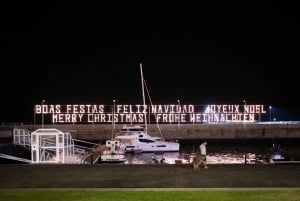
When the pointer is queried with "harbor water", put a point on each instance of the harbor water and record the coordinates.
(221, 151)
(241, 151)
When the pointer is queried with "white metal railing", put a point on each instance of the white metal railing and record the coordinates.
(49, 145)
(21, 137)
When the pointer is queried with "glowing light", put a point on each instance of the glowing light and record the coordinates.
(172, 113)
(207, 110)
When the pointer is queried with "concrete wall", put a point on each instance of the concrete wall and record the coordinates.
(95, 132)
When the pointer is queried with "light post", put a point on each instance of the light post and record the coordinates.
(43, 101)
(34, 115)
(178, 101)
(270, 113)
(244, 110)
(113, 120)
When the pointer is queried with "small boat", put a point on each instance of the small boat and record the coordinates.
(112, 152)
(278, 158)
(277, 155)
(135, 139)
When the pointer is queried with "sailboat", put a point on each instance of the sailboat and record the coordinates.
(136, 139)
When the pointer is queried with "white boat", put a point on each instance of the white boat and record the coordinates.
(112, 152)
(135, 139)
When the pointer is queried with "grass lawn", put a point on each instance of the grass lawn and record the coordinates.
(150, 194)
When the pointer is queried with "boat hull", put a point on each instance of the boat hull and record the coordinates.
(136, 139)
(139, 148)
(112, 158)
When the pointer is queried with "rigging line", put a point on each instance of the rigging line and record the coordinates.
(143, 93)
(151, 105)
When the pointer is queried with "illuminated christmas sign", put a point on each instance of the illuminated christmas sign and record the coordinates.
(151, 113)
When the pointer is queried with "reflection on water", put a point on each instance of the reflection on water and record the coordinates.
(213, 158)
(222, 152)
(249, 158)
(146, 158)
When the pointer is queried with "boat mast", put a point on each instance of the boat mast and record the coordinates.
(143, 92)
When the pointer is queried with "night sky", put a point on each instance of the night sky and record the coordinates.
(80, 53)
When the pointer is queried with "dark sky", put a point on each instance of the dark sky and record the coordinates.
(79, 53)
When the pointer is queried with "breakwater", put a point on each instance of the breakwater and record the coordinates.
(94, 132)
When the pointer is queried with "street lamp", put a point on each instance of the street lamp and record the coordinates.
(270, 113)
(113, 120)
(34, 114)
(43, 101)
(244, 110)
(178, 101)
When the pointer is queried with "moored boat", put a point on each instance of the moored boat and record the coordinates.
(135, 139)
(112, 152)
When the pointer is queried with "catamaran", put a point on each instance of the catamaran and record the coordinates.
(136, 138)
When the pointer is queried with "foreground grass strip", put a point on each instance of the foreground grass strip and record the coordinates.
(78, 195)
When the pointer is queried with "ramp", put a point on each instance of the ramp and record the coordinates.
(14, 158)
(49, 145)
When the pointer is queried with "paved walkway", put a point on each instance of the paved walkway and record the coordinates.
(149, 176)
